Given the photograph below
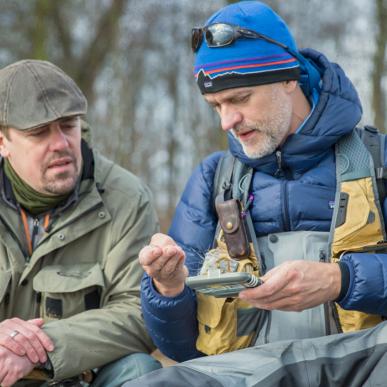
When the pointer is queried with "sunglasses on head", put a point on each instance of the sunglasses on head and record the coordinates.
(224, 34)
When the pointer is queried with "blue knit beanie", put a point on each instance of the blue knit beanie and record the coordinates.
(248, 62)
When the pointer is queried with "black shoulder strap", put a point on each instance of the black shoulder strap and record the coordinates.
(374, 142)
(223, 175)
(232, 177)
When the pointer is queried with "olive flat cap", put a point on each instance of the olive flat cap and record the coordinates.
(35, 92)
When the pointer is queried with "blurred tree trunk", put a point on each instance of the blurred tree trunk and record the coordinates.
(51, 16)
(39, 32)
(171, 75)
(104, 41)
(379, 70)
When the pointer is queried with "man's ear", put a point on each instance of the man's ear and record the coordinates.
(290, 86)
(4, 152)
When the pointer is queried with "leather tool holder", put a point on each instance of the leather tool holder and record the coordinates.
(233, 226)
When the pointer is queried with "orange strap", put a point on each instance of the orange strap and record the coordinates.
(46, 221)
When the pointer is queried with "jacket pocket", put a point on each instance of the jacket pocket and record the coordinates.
(362, 224)
(68, 290)
(226, 324)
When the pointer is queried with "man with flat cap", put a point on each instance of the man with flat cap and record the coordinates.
(71, 226)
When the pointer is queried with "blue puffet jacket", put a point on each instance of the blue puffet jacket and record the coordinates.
(296, 195)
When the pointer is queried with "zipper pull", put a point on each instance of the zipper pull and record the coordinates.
(35, 230)
(279, 171)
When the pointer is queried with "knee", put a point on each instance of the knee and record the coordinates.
(142, 363)
(127, 368)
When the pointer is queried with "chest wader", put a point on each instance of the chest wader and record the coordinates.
(227, 324)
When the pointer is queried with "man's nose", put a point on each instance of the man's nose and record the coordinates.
(229, 118)
(58, 139)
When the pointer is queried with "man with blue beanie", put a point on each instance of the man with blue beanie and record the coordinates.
(309, 195)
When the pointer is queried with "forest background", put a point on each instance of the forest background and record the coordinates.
(132, 59)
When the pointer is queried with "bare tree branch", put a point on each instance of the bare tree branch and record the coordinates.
(39, 33)
(104, 41)
(64, 36)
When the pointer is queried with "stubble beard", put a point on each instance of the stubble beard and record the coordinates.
(60, 183)
(272, 129)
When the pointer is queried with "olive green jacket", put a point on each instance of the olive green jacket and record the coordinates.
(83, 277)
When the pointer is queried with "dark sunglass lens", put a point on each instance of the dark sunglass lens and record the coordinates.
(218, 35)
(196, 38)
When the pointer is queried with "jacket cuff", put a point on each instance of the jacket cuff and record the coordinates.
(47, 368)
(155, 291)
(345, 280)
(163, 307)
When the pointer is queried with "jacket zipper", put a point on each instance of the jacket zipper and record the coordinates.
(285, 207)
(30, 237)
(279, 172)
(35, 230)
(284, 191)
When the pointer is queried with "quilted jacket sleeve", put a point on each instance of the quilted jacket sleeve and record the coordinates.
(367, 291)
(171, 321)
